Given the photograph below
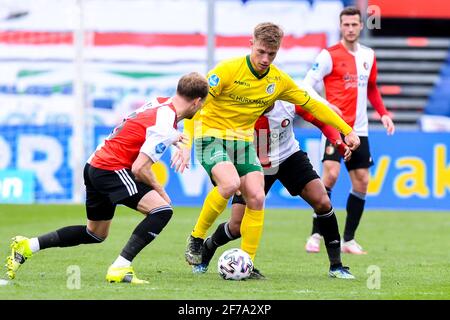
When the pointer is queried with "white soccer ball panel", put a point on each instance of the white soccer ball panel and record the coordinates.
(235, 264)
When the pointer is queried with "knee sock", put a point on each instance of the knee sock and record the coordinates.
(315, 227)
(329, 229)
(147, 230)
(355, 208)
(212, 207)
(220, 237)
(66, 237)
(251, 230)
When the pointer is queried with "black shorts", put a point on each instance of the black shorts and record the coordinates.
(106, 188)
(361, 157)
(294, 173)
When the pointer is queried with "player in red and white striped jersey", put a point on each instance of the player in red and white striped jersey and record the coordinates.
(349, 73)
(119, 172)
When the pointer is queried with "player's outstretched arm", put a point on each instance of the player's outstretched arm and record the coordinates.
(328, 131)
(324, 113)
(313, 93)
(298, 96)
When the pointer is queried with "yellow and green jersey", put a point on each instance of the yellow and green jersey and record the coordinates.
(238, 96)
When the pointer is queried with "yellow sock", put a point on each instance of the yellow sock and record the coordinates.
(251, 230)
(212, 207)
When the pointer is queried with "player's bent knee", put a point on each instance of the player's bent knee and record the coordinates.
(330, 178)
(92, 237)
(256, 200)
(97, 230)
(361, 185)
(323, 204)
(164, 213)
(229, 188)
(154, 222)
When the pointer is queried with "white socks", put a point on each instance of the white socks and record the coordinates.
(121, 262)
(34, 245)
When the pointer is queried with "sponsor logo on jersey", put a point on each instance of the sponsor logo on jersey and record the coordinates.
(160, 147)
(285, 123)
(248, 100)
(213, 80)
(273, 78)
(353, 80)
(242, 83)
(315, 66)
(270, 88)
(329, 150)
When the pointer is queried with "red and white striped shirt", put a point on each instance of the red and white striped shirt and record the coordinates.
(349, 79)
(150, 129)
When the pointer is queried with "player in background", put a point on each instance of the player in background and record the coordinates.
(240, 90)
(282, 159)
(349, 73)
(119, 172)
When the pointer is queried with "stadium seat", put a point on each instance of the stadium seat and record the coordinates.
(439, 100)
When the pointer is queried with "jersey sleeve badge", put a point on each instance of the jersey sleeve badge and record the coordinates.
(213, 80)
(160, 147)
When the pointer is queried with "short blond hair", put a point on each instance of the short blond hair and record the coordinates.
(268, 34)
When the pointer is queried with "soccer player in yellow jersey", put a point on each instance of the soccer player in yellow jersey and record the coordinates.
(240, 91)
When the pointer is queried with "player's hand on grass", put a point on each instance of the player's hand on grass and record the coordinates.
(388, 124)
(352, 140)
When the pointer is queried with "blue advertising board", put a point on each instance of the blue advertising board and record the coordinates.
(411, 170)
(16, 186)
(43, 150)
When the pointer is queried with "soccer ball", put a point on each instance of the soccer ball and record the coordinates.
(235, 264)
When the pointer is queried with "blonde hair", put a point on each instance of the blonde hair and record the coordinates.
(268, 34)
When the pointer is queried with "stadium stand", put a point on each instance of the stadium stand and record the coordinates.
(439, 101)
(410, 77)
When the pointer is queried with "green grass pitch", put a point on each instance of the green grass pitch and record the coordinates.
(411, 250)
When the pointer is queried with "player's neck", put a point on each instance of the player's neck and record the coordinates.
(180, 108)
(256, 69)
(350, 46)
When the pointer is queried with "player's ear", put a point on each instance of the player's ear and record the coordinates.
(198, 102)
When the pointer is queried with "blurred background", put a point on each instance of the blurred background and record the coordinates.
(71, 69)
